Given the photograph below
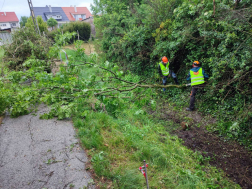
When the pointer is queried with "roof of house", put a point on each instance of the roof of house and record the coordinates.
(8, 17)
(65, 12)
(80, 10)
(40, 11)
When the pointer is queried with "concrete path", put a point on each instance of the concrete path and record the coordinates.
(41, 154)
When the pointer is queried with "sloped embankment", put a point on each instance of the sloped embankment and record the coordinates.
(234, 159)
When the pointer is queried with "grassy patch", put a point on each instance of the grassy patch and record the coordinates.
(70, 54)
(119, 145)
(89, 47)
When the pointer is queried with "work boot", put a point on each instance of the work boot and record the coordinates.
(189, 109)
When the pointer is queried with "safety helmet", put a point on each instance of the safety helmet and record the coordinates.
(164, 59)
(196, 63)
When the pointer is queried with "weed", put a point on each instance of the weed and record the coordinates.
(71, 186)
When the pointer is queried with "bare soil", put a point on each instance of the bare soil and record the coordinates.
(56, 66)
(235, 160)
(1, 119)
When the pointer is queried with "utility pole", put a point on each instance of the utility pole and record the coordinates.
(33, 17)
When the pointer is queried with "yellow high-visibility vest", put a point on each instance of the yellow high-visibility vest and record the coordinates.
(197, 78)
(164, 69)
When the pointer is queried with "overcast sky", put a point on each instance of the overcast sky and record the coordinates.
(21, 7)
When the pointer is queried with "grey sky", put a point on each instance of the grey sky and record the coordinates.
(21, 7)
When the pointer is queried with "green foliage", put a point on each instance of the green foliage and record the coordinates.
(83, 28)
(25, 43)
(80, 52)
(109, 116)
(23, 21)
(1, 56)
(218, 34)
(51, 22)
(61, 40)
(117, 131)
(4, 101)
(64, 39)
(118, 146)
(41, 24)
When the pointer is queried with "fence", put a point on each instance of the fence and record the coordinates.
(5, 38)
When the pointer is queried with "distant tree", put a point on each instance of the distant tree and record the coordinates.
(23, 20)
(51, 22)
(41, 24)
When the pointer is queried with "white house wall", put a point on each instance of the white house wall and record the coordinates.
(5, 25)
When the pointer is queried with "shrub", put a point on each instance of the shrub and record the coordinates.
(25, 43)
(52, 22)
(41, 24)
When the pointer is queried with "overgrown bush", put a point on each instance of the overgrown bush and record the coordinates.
(217, 33)
(25, 43)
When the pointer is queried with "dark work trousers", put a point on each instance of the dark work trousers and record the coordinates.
(165, 78)
(195, 88)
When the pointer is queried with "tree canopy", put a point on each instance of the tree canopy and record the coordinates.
(23, 21)
(41, 24)
(51, 22)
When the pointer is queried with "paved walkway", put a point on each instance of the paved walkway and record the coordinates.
(41, 154)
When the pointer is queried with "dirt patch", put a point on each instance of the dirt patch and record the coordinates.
(1, 119)
(56, 66)
(232, 158)
(229, 156)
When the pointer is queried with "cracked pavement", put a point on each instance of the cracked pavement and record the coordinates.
(44, 154)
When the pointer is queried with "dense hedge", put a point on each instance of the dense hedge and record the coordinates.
(83, 28)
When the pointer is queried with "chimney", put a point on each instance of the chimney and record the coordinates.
(71, 5)
(50, 8)
(4, 13)
(75, 8)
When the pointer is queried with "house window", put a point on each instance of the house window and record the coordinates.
(13, 24)
(3, 25)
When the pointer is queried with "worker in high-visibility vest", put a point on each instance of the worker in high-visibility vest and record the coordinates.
(196, 75)
(165, 72)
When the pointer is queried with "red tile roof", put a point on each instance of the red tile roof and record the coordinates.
(9, 17)
(80, 10)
